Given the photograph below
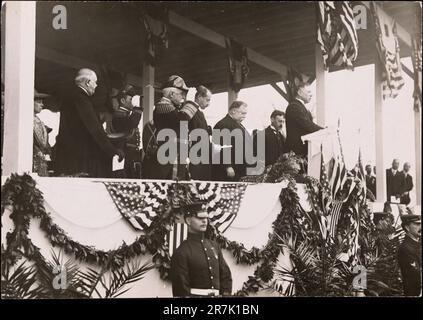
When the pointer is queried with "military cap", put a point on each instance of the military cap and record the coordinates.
(40, 95)
(407, 218)
(175, 82)
(193, 208)
(128, 90)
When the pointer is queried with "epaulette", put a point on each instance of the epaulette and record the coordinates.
(190, 108)
(164, 107)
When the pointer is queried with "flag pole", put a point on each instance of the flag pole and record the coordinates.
(339, 141)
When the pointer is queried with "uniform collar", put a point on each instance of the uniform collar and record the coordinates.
(196, 236)
(83, 89)
(411, 240)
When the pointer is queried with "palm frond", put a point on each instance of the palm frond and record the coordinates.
(21, 284)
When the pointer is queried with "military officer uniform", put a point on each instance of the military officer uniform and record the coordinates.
(198, 267)
(127, 136)
(409, 259)
(168, 116)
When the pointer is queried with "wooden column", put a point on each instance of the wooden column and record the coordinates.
(19, 87)
(232, 95)
(148, 91)
(418, 148)
(380, 168)
(320, 88)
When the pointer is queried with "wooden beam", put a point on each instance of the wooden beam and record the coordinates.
(19, 87)
(280, 91)
(402, 33)
(69, 61)
(219, 40)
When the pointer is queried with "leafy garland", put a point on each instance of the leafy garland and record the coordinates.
(27, 201)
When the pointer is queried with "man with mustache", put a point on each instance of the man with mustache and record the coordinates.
(409, 255)
(299, 120)
(198, 267)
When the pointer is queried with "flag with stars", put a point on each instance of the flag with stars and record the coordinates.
(138, 202)
(223, 202)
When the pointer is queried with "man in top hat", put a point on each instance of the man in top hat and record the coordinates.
(409, 254)
(299, 120)
(170, 114)
(198, 267)
(124, 130)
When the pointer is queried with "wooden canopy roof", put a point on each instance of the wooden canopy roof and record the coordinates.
(112, 33)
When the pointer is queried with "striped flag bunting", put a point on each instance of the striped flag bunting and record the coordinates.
(139, 202)
(388, 48)
(336, 33)
(223, 202)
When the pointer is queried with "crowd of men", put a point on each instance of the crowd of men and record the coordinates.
(90, 138)
(398, 183)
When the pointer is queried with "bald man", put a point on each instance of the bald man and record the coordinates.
(83, 147)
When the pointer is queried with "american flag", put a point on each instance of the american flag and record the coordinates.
(389, 55)
(338, 176)
(176, 236)
(336, 33)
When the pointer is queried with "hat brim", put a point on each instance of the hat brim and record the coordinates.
(41, 95)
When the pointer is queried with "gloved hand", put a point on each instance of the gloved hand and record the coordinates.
(121, 154)
(230, 172)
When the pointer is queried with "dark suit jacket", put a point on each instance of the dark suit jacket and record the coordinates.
(219, 171)
(201, 171)
(299, 122)
(275, 145)
(407, 184)
(394, 184)
(82, 144)
(371, 184)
